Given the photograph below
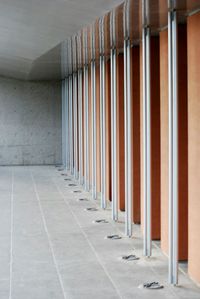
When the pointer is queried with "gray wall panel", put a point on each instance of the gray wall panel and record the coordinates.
(30, 122)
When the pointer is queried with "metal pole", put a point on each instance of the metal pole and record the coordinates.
(63, 123)
(94, 133)
(102, 113)
(101, 128)
(128, 140)
(148, 127)
(67, 122)
(93, 93)
(75, 126)
(147, 140)
(173, 147)
(103, 131)
(113, 133)
(71, 127)
(80, 99)
(86, 128)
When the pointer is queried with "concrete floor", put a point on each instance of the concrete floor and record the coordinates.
(50, 248)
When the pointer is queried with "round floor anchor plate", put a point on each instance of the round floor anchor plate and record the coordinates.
(114, 237)
(101, 221)
(130, 257)
(91, 209)
(82, 199)
(77, 191)
(67, 179)
(152, 285)
(60, 169)
(72, 185)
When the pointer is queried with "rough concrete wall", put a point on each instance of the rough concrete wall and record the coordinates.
(30, 122)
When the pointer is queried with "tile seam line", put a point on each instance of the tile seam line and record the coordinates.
(48, 238)
(90, 244)
(11, 233)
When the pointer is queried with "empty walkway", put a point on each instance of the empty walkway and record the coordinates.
(51, 248)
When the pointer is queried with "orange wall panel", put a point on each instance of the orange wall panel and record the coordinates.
(164, 138)
(194, 144)
(120, 133)
(155, 137)
(135, 80)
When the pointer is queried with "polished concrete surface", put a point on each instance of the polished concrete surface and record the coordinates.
(50, 247)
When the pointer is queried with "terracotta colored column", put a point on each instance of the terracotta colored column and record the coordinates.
(194, 145)
(108, 131)
(120, 133)
(155, 137)
(98, 132)
(183, 141)
(135, 81)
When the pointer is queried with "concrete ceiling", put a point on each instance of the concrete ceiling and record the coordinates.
(31, 31)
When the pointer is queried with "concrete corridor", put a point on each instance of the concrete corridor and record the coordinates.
(52, 249)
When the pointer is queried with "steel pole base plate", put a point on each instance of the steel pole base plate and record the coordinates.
(152, 286)
(114, 237)
(130, 257)
(82, 199)
(101, 221)
(91, 209)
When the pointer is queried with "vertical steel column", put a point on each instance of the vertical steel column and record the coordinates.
(86, 128)
(128, 140)
(75, 125)
(103, 131)
(147, 140)
(86, 107)
(113, 64)
(113, 134)
(93, 93)
(173, 147)
(102, 113)
(101, 124)
(63, 123)
(128, 124)
(71, 126)
(67, 122)
(94, 134)
(80, 99)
